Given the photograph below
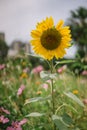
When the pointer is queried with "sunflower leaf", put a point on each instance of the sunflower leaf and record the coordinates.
(60, 124)
(37, 99)
(64, 62)
(35, 114)
(74, 97)
(46, 75)
(33, 55)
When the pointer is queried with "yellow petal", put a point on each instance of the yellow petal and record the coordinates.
(35, 42)
(65, 31)
(49, 22)
(60, 24)
(36, 33)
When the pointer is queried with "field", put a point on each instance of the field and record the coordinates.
(28, 102)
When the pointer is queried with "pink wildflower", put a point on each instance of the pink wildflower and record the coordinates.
(14, 126)
(26, 70)
(20, 90)
(3, 119)
(85, 101)
(37, 69)
(23, 121)
(45, 86)
(48, 81)
(34, 71)
(2, 66)
(4, 110)
(61, 69)
(84, 72)
(17, 125)
(11, 128)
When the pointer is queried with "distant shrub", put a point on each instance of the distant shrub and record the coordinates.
(3, 50)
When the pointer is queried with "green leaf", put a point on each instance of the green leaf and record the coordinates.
(46, 75)
(64, 62)
(33, 55)
(74, 97)
(85, 66)
(37, 99)
(60, 124)
(67, 119)
(72, 108)
(76, 129)
(35, 114)
(53, 76)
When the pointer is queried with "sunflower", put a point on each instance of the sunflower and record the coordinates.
(50, 41)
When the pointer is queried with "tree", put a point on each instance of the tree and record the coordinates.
(78, 24)
(3, 50)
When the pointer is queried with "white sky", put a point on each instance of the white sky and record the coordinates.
(19, 17)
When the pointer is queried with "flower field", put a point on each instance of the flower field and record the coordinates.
(43, 92)
(26, 100)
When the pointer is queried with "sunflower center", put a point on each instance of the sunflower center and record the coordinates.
(50, 39)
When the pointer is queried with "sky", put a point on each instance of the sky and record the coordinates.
(19, 17)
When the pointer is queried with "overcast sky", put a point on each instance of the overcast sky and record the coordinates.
(19, 17)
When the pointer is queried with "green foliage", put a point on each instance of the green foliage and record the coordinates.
(74, 97)
(78, 66)
(3, 50)
(78, 24)
(35, 114)
(35, 60)
(70, 113)
(37, 99)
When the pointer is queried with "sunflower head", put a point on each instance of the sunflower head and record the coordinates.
(50, 41)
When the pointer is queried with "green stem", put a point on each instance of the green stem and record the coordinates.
(52, 92)
(60, 108)
(53, 105)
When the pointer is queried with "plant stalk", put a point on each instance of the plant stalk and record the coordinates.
(52, 93)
